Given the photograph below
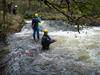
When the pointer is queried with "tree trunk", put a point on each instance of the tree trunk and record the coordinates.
(4, 11)
(29, 4)
(3, 30)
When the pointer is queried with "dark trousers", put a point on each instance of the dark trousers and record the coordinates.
(36, 31)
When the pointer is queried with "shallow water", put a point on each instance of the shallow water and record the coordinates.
(72, 54)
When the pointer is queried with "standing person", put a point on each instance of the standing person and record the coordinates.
(46, 40)
(35, 26)
(15, 9)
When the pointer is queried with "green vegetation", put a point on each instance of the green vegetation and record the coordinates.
(13, 24)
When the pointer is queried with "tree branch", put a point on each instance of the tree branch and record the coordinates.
(57, 8)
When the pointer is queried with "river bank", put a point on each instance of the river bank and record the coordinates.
(14, 24)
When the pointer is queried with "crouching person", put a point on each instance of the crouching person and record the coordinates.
(46, 40)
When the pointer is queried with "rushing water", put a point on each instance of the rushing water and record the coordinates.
(72, 54)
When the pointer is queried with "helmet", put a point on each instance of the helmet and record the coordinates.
(16, 6)
(36, 15)
(45, 30)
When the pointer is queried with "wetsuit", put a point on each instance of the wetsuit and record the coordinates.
(46, 41)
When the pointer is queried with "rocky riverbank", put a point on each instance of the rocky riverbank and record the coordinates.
(14, 24)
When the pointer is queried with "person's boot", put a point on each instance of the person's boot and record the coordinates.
(38, 38)
(34, 38)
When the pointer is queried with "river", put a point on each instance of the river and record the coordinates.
(72, 54)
